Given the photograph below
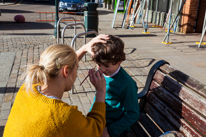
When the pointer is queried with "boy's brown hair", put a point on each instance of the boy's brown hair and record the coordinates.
(110, 52)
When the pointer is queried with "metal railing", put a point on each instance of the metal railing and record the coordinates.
(72, 43)
(48, 16)
(58, 23)
(80, 34)
(74, 24)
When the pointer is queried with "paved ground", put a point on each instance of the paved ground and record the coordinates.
(22, 44)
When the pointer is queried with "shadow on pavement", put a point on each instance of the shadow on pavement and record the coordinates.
(15, 11)
(5, 25)
(27, 34)
(103, 12)
(1, 131)
(137, 35)
(52, 2)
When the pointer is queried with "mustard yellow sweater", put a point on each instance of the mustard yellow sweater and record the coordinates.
(34, 115)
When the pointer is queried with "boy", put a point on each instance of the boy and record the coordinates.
(122, 109)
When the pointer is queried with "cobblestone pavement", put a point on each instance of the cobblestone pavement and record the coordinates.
(23, 44)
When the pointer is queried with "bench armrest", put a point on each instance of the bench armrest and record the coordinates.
(152, 71)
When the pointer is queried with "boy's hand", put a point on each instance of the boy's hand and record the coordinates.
(98, 39)
(105, 133)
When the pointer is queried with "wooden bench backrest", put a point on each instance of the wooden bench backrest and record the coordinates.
(175, 102)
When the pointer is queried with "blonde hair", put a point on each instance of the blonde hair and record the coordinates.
(51, 61)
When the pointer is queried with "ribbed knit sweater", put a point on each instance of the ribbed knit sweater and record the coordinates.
(35, 115)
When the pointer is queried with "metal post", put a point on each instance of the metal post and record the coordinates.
(157, 4)
(145, 27)
(203, 32)
(115, 13)
(56, 18)
(141, 11)
(74, 24)
(143, 14)
(168, 31)
(58, 26)
(132, 23)
(177, 17)
(166, 18)
(125, 14)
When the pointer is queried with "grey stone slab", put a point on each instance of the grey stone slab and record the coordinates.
(7, 57)
(66, 100)
(84, 100)
(77, 103)
(4, 114)
(6, 106)
(6, 63)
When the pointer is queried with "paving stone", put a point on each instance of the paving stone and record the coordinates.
(84, 100)
(82, 95)
(86, 85)
(65, 95)
(11, 85)
(66, 100)
(4, 114)
(6, 106)
(74, 97)
(82, 110)
(91, 96)
(87, 107)
(88, 89)
(6, 62)
(79, 88)
(8, 97)
(1, 99)
(77, 103)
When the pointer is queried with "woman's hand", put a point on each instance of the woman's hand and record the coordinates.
(98, 80)
(105, 133)
(88, 47)
(98, 39)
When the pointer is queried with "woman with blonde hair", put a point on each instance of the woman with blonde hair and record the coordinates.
(38, 110)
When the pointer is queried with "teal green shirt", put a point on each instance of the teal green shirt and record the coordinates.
(122, 108)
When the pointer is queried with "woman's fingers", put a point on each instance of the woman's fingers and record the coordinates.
(102, 38)
(91, 75)
(97, 79)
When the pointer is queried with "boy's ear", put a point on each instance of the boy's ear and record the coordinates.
(119, 62)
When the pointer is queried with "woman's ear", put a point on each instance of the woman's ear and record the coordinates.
(65, 71)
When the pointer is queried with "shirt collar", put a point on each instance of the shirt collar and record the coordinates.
(52, 97)
(113, 73)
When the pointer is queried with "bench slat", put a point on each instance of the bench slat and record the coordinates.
(192, 98)
(136, 132)
(148, 125)
(184, 79)
(170, 115)
(157, 117)
(180, 107)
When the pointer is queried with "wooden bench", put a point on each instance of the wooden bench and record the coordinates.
(171, 101)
